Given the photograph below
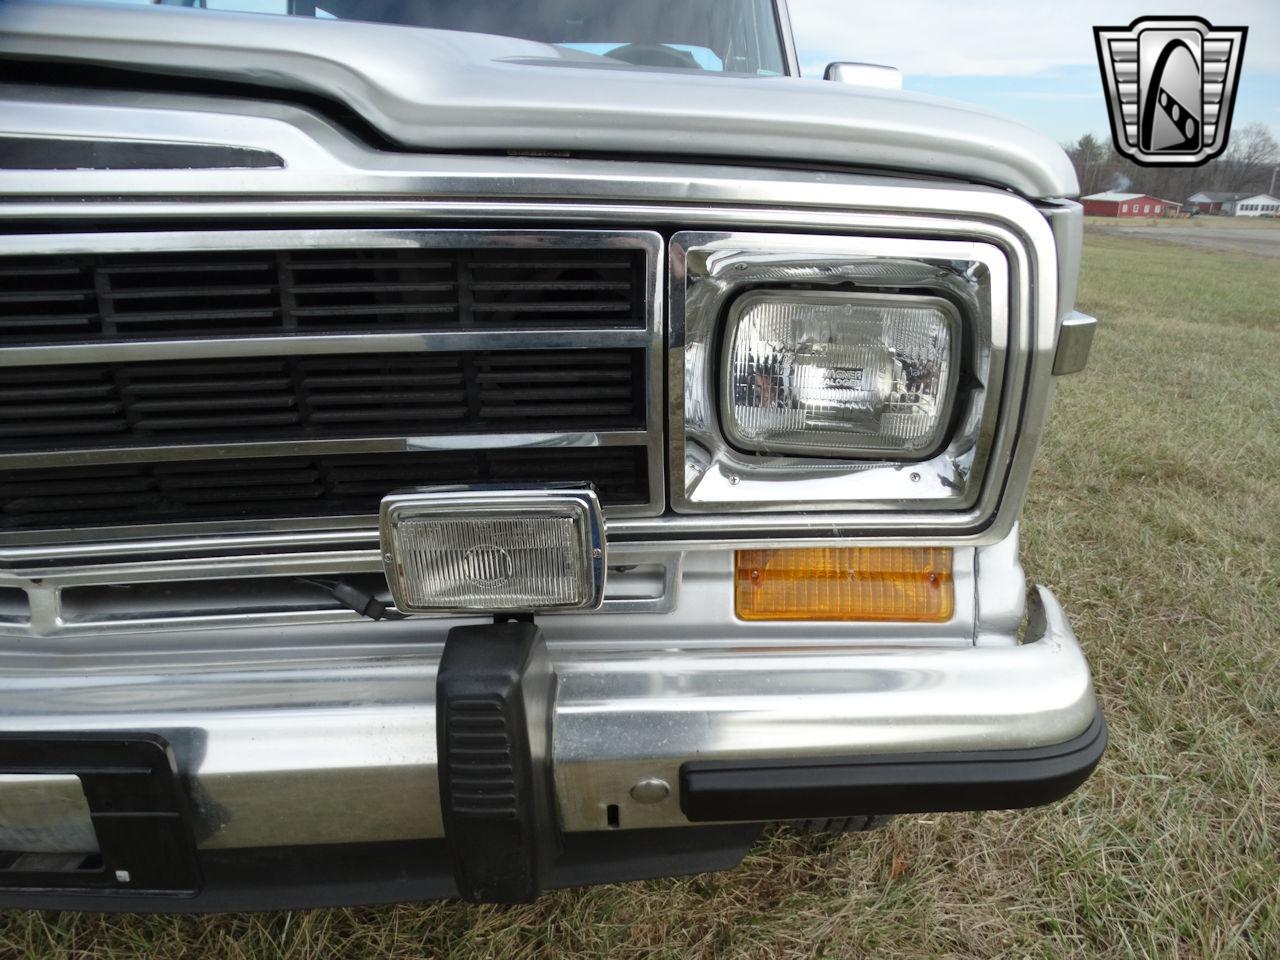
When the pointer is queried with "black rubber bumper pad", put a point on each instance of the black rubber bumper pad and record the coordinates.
(755, 790)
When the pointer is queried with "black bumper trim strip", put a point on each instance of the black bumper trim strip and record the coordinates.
(354, 874)
(758, 790)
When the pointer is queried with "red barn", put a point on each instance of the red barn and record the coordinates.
(1128, 205)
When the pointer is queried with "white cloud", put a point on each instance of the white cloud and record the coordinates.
(998, 37)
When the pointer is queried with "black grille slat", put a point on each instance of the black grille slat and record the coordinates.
(43, 297)
(158, 317)
(157, 293)
(606, 382)
(37, 403)
(293, 487)
(550, 285)
(16, 323)
(196, 294)
(553, 307)
(205, 401)
(143, 269)
(380, 311)
(40, 296)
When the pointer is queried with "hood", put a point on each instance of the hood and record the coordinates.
(447, 91)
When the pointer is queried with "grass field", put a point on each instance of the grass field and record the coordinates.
(1155, 515)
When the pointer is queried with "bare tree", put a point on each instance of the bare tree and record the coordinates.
(1092, 160)
(1246, 165)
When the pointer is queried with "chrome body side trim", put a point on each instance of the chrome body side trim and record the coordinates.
(279, 745)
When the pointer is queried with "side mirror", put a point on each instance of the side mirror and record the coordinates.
(865, 75)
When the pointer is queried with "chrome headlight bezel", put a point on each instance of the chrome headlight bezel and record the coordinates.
(711, 271)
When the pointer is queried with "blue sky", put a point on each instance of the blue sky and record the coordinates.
(1034, 61)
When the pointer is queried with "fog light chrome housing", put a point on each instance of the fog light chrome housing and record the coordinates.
(494, 549)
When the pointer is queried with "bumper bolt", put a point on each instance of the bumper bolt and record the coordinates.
(650, 790)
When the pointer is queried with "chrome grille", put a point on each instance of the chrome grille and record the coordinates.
(264, 377)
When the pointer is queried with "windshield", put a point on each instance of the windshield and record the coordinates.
(721, 36)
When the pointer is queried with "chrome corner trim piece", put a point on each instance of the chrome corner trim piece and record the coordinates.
(1066, 220)
(710, 272)
(1000, 592)
(510, 504)
(1075, 338)
(281, 748)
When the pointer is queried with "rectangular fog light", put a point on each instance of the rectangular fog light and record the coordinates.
(494, 549)
(839, 374)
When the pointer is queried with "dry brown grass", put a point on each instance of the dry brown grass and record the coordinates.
(1155, 515)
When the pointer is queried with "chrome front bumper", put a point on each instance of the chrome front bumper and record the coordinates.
(338, 744)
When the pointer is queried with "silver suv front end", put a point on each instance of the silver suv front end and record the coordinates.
(295, 743)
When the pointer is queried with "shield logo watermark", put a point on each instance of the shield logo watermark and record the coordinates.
(1171, 86)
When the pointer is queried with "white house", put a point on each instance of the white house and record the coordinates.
(1259, 205)
(1220, 203)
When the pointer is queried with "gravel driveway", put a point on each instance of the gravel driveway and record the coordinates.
(1256, 239)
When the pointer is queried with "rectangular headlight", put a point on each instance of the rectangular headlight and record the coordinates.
(493, 549)
(839, 374)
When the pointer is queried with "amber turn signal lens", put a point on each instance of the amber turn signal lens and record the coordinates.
(845, 583)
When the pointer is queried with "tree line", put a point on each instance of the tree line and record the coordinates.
(1246, 166)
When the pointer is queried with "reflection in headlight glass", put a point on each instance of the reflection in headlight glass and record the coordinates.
(836, 374)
